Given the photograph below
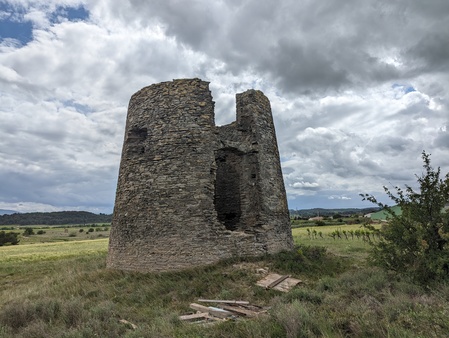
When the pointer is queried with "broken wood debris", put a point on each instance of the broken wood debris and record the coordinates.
(225, 310)
(198, 315)
(213, 311)
(278, 282)
(242, 311)
(240, 302)
(129, 324)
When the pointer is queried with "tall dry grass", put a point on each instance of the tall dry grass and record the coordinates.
(76, 296)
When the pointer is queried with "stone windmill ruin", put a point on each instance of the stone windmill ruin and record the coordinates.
(191, 193)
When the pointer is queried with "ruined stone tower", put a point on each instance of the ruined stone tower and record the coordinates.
(191, 193)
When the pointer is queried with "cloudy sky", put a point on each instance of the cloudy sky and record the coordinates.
(358, 89)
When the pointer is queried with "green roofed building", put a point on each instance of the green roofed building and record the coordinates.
(383, 214)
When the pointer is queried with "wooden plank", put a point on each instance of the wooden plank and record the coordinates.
(216, 312)
(201, 315)
(264, 282)
(221, 301)
(215, 318)
(124, 321)
(194, 316)
(240, 310)
(202, 319)
(199, 307)
(277, 281)
(287, 284)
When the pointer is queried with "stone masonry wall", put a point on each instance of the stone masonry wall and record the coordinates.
(190, 193)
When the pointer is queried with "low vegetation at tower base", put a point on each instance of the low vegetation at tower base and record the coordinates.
(341, 296)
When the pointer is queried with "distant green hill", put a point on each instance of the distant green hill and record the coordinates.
(7, 212)
(331, 212)
(54, 218)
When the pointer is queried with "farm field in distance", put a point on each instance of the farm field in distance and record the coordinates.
(56, 285)
(52, 250)
(345, 245)
(45, 234)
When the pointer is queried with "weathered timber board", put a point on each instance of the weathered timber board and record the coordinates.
(278, 282)
(220, 313)
(221, 301)
(240, 311)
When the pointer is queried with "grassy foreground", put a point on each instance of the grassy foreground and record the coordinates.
(64, 290)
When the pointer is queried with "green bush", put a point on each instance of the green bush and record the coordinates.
(40, 232)
(28, 232)
(8, 237)
(417, 241)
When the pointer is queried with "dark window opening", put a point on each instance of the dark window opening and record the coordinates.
(227, 197)
(135, 139)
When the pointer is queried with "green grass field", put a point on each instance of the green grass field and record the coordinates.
(353, 247)
(62, 233)
(52, 250)
(63, 289)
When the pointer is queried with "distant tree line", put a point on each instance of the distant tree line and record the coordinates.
(54, 218)
(335, 213)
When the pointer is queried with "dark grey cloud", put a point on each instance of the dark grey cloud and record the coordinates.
(56, 189)
(393, 145)
(442, 138)
(431, 52)
(305, 47)
(301, 70)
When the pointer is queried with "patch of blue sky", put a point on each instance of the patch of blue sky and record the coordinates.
(13, 26)
(69, 13)
(80, 108)
(404, 88)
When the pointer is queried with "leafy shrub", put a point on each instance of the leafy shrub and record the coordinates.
(91, 230)
(417, 241)
(28, 232)
(8, 237)
(320, 223)
(40, 232)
